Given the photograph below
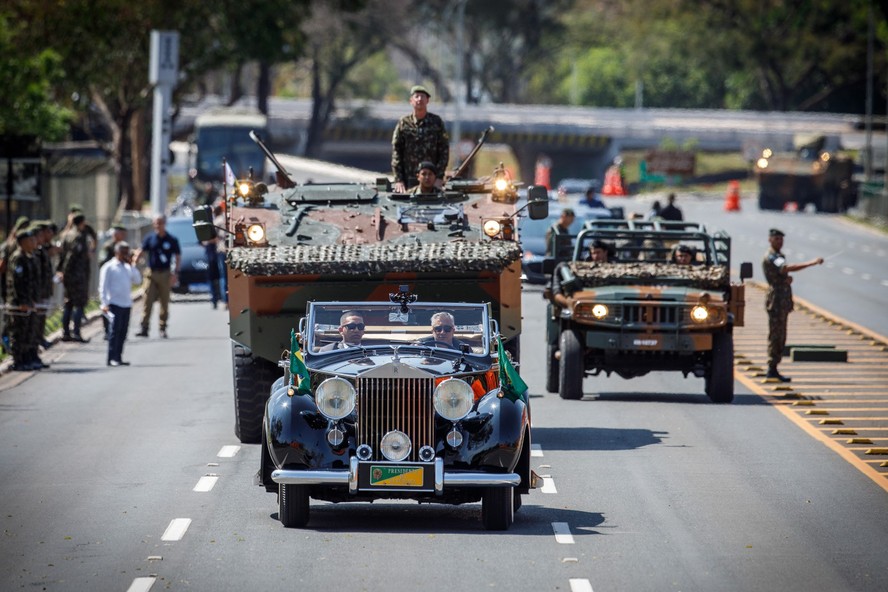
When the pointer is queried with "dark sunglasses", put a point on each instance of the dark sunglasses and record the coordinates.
(443, 329)
(353, 326)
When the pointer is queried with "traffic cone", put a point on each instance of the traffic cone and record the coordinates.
(613, 184)
(543, 172)
(790, 206)
(732, 197)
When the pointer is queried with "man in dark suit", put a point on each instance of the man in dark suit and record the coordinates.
(351, 327)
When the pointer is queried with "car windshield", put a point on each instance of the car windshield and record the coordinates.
(337, 326)
(182, 229)
(532, 233)
(647, 243)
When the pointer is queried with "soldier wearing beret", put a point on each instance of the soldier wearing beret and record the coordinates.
(43, 254)
(21, 296)
(419, 136)
(778, 302)
(73, 270)
(7, 248)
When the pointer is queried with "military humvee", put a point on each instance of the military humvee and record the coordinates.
(640, 311)
(289, 244)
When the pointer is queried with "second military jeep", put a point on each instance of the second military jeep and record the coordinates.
(641, 310)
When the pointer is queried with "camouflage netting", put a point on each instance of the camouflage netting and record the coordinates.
(470, 256)
(600, 274)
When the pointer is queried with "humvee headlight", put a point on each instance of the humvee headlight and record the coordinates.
(244, 189)
(256, 233)
(599, 311)
(335, 398)
(453, 399)
(395, 445)
(699, 313)
(762, 163)
(492, 228)
(501, 184)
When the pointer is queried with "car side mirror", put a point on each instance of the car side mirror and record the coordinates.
(202, 221)
(537, 202)
(745, 270)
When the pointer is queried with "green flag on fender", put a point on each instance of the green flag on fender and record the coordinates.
(513, 387)
(298, 370)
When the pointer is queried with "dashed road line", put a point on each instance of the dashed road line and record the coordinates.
(228, 451)
(536, 450)
(206, 483)
(142, 584)
(580, 585)
(548, 485)
(562, 533)
(176, 530)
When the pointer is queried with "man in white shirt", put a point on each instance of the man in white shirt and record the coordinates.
(116, 280)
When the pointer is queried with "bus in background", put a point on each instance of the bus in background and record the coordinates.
(226, 133)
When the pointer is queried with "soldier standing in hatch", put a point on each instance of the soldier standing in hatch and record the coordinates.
(73, 270)
(418, 136)
(778, 302)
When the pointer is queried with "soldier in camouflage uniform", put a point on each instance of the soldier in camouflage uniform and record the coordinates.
(73, 269)
(426, 177)
(21, 296)
(418, 136)
(43, 232)
(778, 302)
(7, 248)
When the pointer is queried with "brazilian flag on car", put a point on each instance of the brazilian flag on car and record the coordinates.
(511, 384)
(298, 370)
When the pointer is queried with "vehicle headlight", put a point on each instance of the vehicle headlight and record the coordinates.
(395, 445)
(492, 228)
(256, 233)
(335, 398)
(599, 311)
(501, 184)
(699, 313)
(453, 399)
(244, 189)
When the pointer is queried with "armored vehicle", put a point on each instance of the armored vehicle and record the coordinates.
(641, 310)
(397, 412)
(289, 244)
(811, 175)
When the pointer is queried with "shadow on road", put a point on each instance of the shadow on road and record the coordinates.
(683, 398)
(585, 438)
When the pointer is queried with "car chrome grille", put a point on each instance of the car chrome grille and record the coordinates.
(404, 404)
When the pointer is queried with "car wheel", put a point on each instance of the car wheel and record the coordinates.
(293, 505)
(720, 381)
(552, 369)
(253, 378)
(498, 508)
(570, 367)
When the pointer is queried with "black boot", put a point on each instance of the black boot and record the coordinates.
(772, 373)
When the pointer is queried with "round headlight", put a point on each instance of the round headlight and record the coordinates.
(453, 399)
(492, 228)
(256, 233)
(243, 189)
(699, 313)
(335, 398)
(599, 311)
(501, 184)
(395, 445)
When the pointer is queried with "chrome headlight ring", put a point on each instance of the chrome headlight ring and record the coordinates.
(454, 399)
(335, 398)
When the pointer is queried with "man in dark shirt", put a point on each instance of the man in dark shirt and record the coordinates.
(163, 250)
(671, 211)
(418, 136)
(560, 228)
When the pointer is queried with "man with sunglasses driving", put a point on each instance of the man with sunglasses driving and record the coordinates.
(443, 327)
(351, 327)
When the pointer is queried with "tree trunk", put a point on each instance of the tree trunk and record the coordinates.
(141, 164)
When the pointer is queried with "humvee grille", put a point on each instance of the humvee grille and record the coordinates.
(404, 404)
(650, 315)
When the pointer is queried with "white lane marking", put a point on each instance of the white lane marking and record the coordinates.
(866, 276)
(562, 533)
(885, 282)
(176, 530)
(141, 584)
(830, 264)
(548, 485)
(206, 483)
(536, 450)
(580, 585)
(228, 451)
(847, 271)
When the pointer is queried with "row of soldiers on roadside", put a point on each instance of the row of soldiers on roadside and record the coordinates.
(26, 262)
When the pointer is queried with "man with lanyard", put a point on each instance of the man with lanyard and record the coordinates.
(778, 301)
(162, 249)
(419, 136)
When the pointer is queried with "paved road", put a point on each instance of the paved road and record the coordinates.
(648, 487)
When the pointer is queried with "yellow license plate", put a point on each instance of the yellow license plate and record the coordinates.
(395, 476)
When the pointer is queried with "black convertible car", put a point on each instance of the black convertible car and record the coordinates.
(401, 415)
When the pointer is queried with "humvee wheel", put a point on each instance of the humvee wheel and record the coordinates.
(253, 378)
(498, 508)
(720, 381)
(570, 368)
(293, 507)
(552, 368)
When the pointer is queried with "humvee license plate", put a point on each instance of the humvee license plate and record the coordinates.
(396, 476)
